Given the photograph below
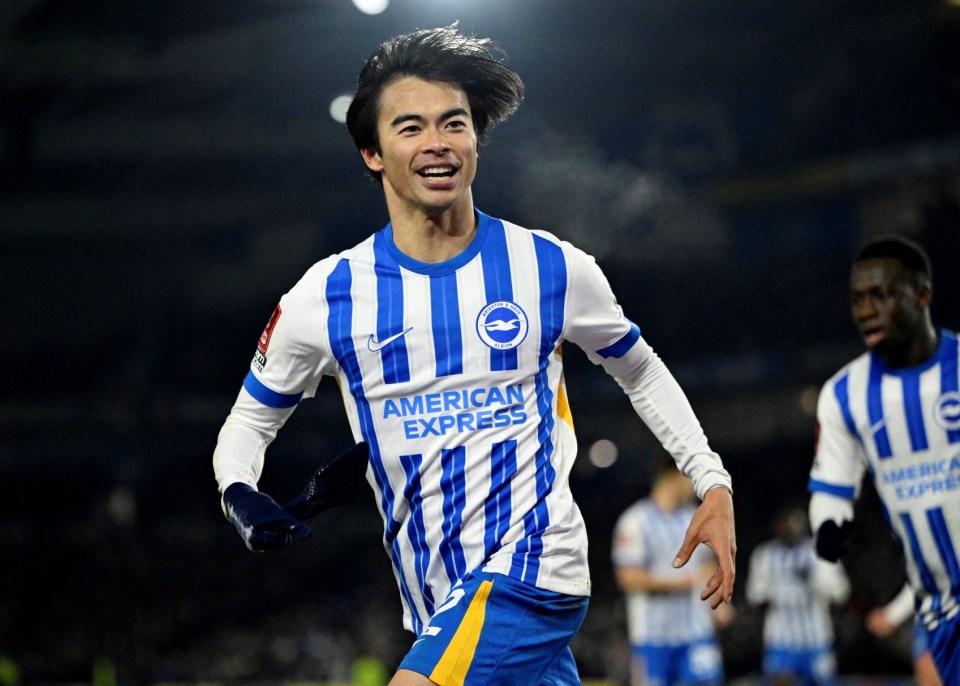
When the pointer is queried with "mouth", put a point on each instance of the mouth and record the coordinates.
(438, 172)
(873, 336)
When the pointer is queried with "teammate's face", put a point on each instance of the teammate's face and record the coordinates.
(888, 309)
(428, 147)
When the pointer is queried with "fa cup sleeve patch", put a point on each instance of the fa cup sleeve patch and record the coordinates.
(260, 359)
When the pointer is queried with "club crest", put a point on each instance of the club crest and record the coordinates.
(502, 325)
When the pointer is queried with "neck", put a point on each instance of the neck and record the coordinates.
(665, 499)
(916, 352)
(435, 238)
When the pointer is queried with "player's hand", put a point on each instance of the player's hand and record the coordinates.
(713, 525)
(335, 483)
(833, 540)
(260, 521)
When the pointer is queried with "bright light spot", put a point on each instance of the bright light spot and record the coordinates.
(603, 453)
(338, 107)
(371, 6)
(808, 400)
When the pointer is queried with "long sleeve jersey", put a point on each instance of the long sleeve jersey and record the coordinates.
(453, 374)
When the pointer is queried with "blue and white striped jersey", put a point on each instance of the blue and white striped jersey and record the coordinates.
(648, 537)
(799, 588)
(903, 426)
(452, 373)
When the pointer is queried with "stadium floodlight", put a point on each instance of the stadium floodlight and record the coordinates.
(371, 6)
(603, 453)
(338, 108)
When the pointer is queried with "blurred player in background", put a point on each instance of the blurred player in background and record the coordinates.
(797, 589)
(883, 621)
(895, 412)
(672, 634)
(444, 332)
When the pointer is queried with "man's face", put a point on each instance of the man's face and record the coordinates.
(888, 309)
(428, 147)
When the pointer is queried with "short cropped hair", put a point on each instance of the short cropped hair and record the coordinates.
(909, 253)
(442, 55)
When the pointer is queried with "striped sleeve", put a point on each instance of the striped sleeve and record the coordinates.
(837, 466)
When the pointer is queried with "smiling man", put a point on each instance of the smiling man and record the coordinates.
(444, 332)
(895, 411)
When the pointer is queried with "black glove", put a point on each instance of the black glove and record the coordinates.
(833, 541)
(336, 483)
(261, 523)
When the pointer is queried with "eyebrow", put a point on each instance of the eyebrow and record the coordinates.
(449, 114)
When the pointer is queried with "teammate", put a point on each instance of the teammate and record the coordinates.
(895, 412)
(883, 621)
(672, 634)
(444, 332)
(797, 588)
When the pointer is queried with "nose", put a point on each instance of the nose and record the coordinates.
(864, 308)
(436, 142)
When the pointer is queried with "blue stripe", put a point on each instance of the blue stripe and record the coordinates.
(498, 285)
(913, 408)
(268, 397)
(945, 544)
(926, 578)
(949, 378)
(621, 347)
(339, 317)
(393, 356)
(847, 492)
(552, 275)
(875, 410)
(445, 316)
(416, 529)
(454, 488)
(497, 508)
(841, 391)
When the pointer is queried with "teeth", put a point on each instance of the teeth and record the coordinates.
(437, 171)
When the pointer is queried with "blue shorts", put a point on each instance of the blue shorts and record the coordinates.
(813, 666)
(944, 642)
(697, 662)
(497, 631)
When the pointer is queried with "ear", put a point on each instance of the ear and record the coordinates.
(372, 159)
(924, 296)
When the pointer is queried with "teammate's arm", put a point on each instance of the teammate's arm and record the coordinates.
(835, 478)
(639, 579)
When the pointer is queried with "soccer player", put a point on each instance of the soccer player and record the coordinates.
(883, 621)
(672, 634)
(895, 412)
(444, 332)
(797, 589)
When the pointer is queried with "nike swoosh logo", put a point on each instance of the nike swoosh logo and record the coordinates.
(373, 345)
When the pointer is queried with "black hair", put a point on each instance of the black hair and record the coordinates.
(908, 253)
(443, 55)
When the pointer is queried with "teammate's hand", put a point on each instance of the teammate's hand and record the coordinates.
(713, 525)
(833, 541)
(261, 523)
(335, 483)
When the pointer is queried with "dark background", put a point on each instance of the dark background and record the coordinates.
(168, 169)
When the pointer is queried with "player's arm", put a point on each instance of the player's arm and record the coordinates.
(596, 324)
(289, 361)
(238, 460)
(237, 465)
